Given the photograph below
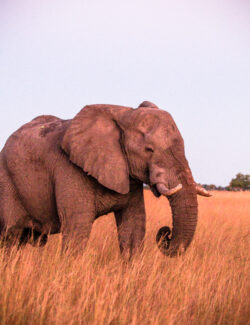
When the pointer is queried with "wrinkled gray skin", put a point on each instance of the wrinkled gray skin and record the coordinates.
(60, 175)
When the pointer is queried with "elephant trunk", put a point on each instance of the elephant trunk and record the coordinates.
(184, 208)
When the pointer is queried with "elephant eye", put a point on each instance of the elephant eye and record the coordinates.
(149, 149)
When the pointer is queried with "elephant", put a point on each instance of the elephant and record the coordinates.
(59, 176)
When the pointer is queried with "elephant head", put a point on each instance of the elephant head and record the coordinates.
(115, 143)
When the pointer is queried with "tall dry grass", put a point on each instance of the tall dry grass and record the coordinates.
(207, 285)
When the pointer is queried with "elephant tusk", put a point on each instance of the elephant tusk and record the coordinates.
(168, 192)
(201, 191)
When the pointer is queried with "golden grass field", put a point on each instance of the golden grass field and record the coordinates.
(207, 285)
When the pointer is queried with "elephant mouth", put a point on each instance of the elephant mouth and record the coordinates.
(155, 190)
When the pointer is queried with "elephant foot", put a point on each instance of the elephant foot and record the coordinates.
(33, 237)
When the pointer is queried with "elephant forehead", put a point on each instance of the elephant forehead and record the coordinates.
(157, 126)
(148, 120)
(147, 123)
(162, 137)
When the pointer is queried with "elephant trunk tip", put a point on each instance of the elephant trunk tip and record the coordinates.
(164, 243)
(163, 240)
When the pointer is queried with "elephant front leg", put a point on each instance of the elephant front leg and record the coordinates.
(76, 210)
(76, 231)
(131, 225)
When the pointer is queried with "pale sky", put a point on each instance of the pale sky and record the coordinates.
(191, 58)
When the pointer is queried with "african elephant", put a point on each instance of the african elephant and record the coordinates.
(60, 175)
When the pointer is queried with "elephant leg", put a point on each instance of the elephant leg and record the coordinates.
(131, 225)
(10, 241)
(75, 205)
(76, 232)
(13, 216)
(25, 237)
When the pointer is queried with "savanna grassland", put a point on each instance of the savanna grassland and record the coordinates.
(207, 285)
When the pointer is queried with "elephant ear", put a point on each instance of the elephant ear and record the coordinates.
(92, 142)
